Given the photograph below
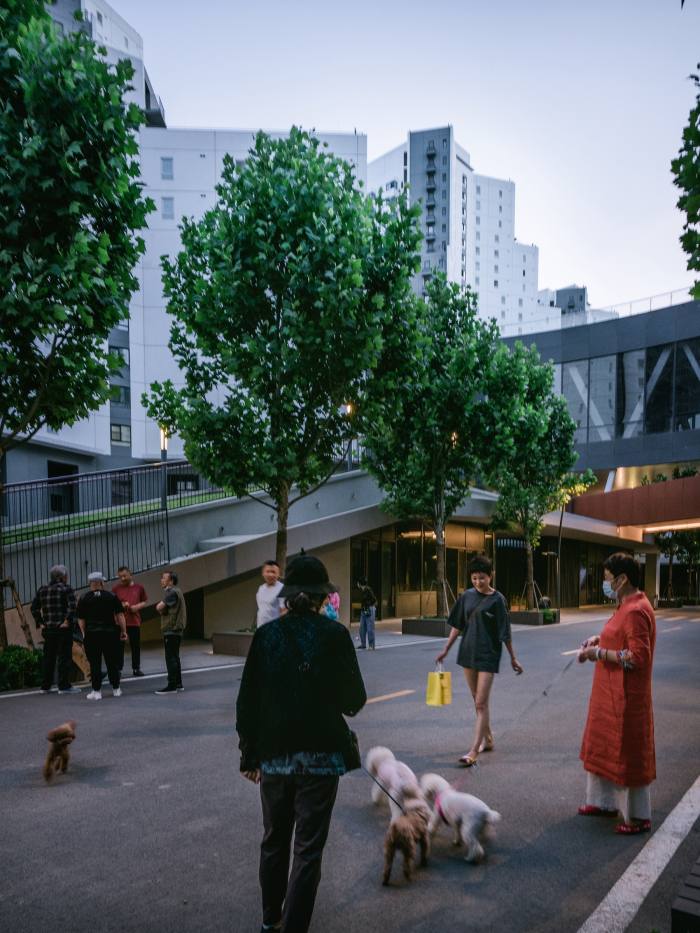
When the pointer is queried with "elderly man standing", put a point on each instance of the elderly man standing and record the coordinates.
(102, 622)
(53, 609)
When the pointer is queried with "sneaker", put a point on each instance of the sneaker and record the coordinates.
(361, 647)
(95, 695)
(164, 690)
(116, 691)
(138, 674)
(180, 689)
(45, 691)
(70, 690)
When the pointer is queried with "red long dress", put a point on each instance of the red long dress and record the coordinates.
(618, 741)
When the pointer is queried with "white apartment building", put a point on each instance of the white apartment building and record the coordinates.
(468, 223)
(180, 169)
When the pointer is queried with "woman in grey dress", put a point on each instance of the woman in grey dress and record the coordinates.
(480, 616)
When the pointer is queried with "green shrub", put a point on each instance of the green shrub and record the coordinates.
(20, 667)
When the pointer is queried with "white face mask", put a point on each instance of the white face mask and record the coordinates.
(608, 590)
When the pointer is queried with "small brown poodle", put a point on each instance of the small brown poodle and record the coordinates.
(405, 833)
(57, 757)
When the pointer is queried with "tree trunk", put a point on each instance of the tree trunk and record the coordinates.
(669, 585)
(440, 581)
(530, 577)
(282, 519)
(3, 627)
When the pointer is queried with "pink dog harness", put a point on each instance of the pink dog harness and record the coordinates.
(438, 807)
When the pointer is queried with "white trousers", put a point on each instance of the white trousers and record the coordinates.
(632, 802)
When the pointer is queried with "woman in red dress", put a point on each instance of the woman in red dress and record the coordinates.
(618, 742)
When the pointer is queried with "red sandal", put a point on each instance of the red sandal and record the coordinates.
(590, 810)
(633, 829)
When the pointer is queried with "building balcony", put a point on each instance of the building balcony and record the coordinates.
(430, 201)
(430, 183)
(430, 233)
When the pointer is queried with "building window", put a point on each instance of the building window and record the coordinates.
(478, 189)
(575, 391)
(478, 235)
(123, 352)
(478, 205)
(630, 394)
(520, 316)
(121, 395)
(99, 17)
(495, 283)
(444, 176)
(687, 381)
(123, 325)
(524, 258)
(496, 238)
(476, 280)
(523, 273)
(444, 212)
(520, 302)
(121, 434)
(126, 42)
(167, 208)
(495, 269)
(444, 228)
(444, 195)
(478, 220)
(500, 224)
(495, 253)
(405, 158)
(478, 251)
(503, 299)
(444, 144)
(478, 267)
(500, 209)
(166, 168)
(500, 193)
(659, 389)
(601, 402)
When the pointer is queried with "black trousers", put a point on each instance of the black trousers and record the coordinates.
(105, 645)
(134, 633)
(172, 641)
(299, 804)
(58, 645)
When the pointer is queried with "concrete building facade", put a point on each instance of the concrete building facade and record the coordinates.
(468, 224)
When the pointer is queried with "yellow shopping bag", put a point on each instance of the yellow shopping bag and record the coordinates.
(439, 689)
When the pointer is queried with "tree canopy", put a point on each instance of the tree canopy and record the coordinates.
(70, 203)
(424, 447)
(686, 171)
(288, 299)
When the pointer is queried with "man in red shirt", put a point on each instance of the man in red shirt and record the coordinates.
(133, 597)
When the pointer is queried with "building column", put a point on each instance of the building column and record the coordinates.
(652, 577)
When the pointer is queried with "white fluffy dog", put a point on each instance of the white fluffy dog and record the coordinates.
(396, 777)
(468, 816)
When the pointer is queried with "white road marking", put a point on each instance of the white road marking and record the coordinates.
(164, 786)
(676, 628)
(619, 907)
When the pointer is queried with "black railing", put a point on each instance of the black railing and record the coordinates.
(95, 521)
(99, 521)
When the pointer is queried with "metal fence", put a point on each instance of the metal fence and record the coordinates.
(99, 521)
(95, 521)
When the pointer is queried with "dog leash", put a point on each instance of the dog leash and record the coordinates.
(370, 775)
(530, 706)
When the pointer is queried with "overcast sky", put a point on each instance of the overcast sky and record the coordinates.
(582, 104)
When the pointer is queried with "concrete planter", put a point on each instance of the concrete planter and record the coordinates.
(534, 616)
(237, 643)
(436, 627)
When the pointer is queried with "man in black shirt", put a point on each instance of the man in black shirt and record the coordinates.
(101, 619)
(53, 609)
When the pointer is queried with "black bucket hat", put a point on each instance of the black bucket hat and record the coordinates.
(306, 574)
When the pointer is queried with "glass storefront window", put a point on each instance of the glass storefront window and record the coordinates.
(687, 386)
(659, 389)
(575, 391)
(601, 404)
(630, 394)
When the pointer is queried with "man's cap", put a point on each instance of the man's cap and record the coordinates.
(306, 574)
(96, 577)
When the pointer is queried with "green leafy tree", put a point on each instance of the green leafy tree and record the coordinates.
(528, 447)
(688, 549)
(686, 171)
(70, 202)
(287, 299)
(423, 448)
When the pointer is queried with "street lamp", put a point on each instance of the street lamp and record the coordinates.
(163, 469)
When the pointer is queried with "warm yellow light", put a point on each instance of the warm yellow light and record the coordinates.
(163, 439)
(348, 408)
(672, 526)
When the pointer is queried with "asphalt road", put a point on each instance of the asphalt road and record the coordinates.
(154, 830)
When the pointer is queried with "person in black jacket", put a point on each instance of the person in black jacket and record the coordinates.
(300, 678)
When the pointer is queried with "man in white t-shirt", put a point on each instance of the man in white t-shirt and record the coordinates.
(270, 606)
